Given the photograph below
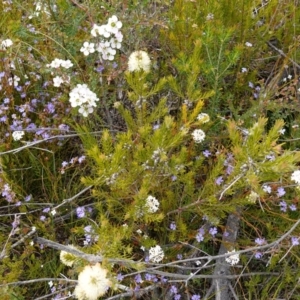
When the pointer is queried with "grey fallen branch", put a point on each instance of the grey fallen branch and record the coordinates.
(92, 258)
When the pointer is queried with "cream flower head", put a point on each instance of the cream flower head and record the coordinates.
(139, 61)
(92, 283)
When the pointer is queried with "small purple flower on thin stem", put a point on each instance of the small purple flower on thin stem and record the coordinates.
(295, 241)
(173, 289)
(280, 192)
(196, 297)
(293, 207)
(173, 226)
(177, 297)
(206, 153)
(179, 256)
(258, 255)
(138, 278)
(283, 206)
(120, 277)
(213, 231)
(80, 211)
(260, 241)
(219, 180)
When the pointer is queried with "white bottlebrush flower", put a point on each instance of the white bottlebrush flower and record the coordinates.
(198, 136)
(296, 176)
(253, 196)
(87, 48)
(6, 44)
(233, 259)
(17, 135)
(156, 254)
(67, 258)
(139, 61)
(203, 118)
(92, 283)
(152, 204)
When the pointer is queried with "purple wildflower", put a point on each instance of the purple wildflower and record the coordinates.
(280, 192)
(219, 180)
(295, 241)
(293, 207)
(138, 278)
(80, 211)
(173, 289)
(213, 231)
(195, 297)
(260, 241)
(173, 226)
(283, 206)
(206, 153)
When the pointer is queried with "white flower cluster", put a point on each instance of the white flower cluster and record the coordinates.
(6, 44)
(203, 118)
(156, 254)
(92, 283)
(56, 63)
(296, 176)
(233, 259)
(17, 135)
(111, 39)
(152, 204)
(198, 136)
(139, 61)
(81, 96)
(67, 258)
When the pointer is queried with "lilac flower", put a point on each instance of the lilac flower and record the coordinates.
(206, 153)
(293, 207)
(258, 255)
(280, 192)
(177, 297)
(16, 222)
(173, 289)
(195, 297)
(173, 226)
(267, 189)
(179, 256)
(163, 279)
(28, 198)
(42, 218)
(64, 127)
(283, 206)
(295, 241)
(219, 180)
(226, 233)
(174, 178)
(260, 241)
(120, 277)
(46, 210)
(199, 237)
(64, 164)
(80, 211)
(213, 231)
(138, 278)
(229, 169)
(148, 277)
